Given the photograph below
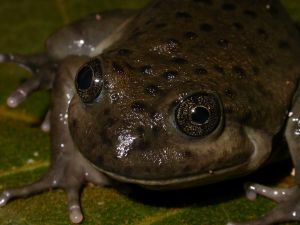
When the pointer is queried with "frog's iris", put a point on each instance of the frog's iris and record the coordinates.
(89, 81)
(198, 115)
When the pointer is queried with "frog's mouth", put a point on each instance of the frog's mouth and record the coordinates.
(260, 142)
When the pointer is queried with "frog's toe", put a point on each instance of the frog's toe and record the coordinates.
(45, 126)
(24, 191)
(20, 94)
(73, 193)
(288, 208)
(275, 194)
(43, 69)
(4, 198)
(75, 212)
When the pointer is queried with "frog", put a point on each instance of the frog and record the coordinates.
(182, 93)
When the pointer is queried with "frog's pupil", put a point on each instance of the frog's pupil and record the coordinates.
(85, 78)
(200, 115)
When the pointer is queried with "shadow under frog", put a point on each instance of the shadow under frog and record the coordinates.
(181, 94)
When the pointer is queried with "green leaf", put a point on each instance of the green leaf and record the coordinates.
(25, 150)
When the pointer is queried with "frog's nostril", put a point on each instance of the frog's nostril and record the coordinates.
(84, 77)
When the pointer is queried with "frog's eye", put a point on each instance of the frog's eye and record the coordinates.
(198, 115)
(89, 81)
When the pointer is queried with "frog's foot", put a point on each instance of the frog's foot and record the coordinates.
(288, 208)
(69, 174)
(43, 69)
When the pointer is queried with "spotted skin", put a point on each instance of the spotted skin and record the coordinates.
(183, 93)
(222, 47)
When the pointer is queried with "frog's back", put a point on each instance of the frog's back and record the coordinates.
(246, 50)
(244, 53)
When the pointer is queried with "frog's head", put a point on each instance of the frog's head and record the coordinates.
(160, 130)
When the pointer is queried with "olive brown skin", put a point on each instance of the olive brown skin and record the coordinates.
(183, 93)
(140, 136)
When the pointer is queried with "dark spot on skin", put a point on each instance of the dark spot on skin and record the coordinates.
(143, 145)
(149, 21)
(251, 100)
(262, 89)
(138, 106)
(183, 15)
(204, 2)
(238, 71)
(251, 50)
(156, 5)
(206, 27)
(152, 90)
(106, 112)
(269, 61)
(230, 93)
(190, 35)
(262, 33)
(117, 68)
(219, 69)
(160, 25)
(140, 131)
(228, 7)
(155, 131)
(238, 26)
(179, 61)
(255, 70)
(170, 75)
(246, 118)
(223, 43)
(124, 52)
(128, 66)
(147, 70)
(201, 71)
(200, 45)
(284, 44)
(74, 123)
(187, 154)
(250, 14)
(109, 122)
(136, 33)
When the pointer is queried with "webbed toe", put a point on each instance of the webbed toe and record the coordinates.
(288, 208)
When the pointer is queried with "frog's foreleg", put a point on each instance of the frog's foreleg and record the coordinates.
(288, 199)
(69, 170)
(43, 69)
(275, 194)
